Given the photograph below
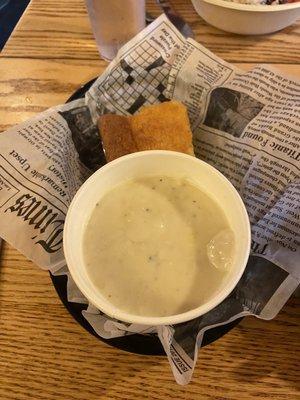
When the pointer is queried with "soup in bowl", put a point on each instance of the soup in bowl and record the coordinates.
(156, 238)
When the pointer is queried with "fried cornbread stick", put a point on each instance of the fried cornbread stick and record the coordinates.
(162, 126)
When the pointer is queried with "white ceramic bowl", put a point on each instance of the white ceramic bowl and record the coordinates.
(137, 165)
(247, 19)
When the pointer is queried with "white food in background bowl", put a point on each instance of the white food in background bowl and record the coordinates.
(247, 19)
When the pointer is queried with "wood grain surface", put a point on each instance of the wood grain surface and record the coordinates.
(45, 354)
(63, 25)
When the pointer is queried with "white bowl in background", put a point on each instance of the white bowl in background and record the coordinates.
(247, 19)
(137, 165)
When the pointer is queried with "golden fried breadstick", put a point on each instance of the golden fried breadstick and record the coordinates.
(116, 136)
(162, 126)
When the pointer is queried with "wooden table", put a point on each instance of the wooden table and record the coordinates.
(44, 353)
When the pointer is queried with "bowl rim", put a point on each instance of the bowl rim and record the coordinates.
(144, 320)
(252, 7)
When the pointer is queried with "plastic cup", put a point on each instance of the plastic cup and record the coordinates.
(114, 22)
